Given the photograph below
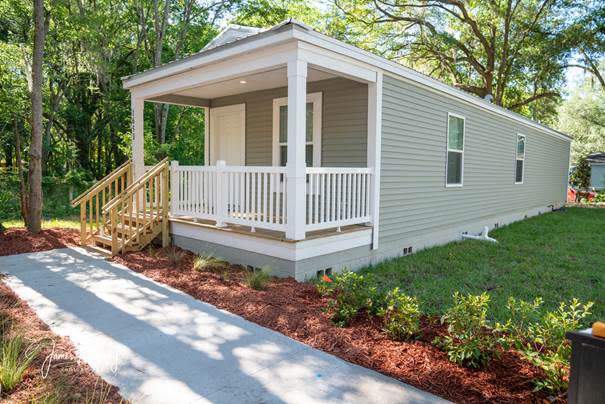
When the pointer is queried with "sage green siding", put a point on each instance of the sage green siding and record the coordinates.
(344, 122)
(414, 199)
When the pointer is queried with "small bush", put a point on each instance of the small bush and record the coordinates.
(14, 362)
(401, 315)
(174, 255)
(259, 279)
(540, 337)
(468, 344)
(209, 263)
(353, 293)
(324, 285)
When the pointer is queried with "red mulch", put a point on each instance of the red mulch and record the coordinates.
(19, 240)
(57, 371)
(297, 310)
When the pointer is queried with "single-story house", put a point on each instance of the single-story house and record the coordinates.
(320, 156)
(597, 170)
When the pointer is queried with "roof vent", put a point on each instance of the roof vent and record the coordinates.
(488, 98)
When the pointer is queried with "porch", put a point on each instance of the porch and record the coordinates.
(290, 145)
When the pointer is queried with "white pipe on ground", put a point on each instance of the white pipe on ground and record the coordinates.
(484, 236)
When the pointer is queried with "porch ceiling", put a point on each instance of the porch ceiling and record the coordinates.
(252, 82)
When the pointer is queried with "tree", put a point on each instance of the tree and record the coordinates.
(582, 116)
(35, 150)
(510, 51)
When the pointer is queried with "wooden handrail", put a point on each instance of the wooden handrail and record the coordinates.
(101, 183)
(135, 185)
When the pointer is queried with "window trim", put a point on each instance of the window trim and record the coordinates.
(522, 159)
(448, 150)
(316, 100)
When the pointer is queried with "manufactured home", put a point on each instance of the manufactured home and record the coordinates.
(321, 156)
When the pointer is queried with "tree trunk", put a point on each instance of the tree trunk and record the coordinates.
(19, 161)
(35, 150)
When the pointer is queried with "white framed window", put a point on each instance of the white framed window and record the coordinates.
(454, 165)
(520, 159)
(312, 132)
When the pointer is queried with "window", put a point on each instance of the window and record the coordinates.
(455, 151)
(312, 133)
(520, 159)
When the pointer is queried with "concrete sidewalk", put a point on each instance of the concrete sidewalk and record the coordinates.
(159, 345)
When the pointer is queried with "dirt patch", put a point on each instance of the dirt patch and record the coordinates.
(297, 310)
(19, 240)
(57, 374)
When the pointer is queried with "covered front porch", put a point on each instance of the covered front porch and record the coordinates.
(290, 141)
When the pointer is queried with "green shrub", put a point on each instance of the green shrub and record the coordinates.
(174, 255)
(468, 343)
(209, 262)
(14, 362)
(324, 284)
(353, 292)
(401, 315)
(600, 197)
(259, 279)
(540, 337)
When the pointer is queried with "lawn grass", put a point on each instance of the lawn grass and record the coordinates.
(557, 256)
(63, 223)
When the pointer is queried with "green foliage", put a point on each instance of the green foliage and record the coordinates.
(174, 255)
(401, 315)
(325, 285)
(582, 116)
(469, 342)
(14, 362)
(208, 262)
(353, 293)
(540, 337)
(258, 279)
(581, 176)
(600, 197)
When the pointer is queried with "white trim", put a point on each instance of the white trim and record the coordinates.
(291, 251)
(522, 159)
(374, 150)
(240, 110)
(317, 100)
(448, 150)
(206, 136)
(246, 63)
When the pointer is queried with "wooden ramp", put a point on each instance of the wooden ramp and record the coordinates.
(119, 214)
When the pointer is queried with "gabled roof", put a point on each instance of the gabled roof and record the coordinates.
(249, 37)
(598, 158)
(231, 34)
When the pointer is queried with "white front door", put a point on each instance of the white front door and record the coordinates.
(228, 135)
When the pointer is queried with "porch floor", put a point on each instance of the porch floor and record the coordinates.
(267, 234)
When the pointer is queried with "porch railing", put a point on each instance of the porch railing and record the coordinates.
(337, 197)
(245, 195)
(257, 197)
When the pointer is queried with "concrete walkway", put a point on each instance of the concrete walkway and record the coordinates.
(159, 345)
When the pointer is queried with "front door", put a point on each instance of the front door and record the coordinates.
(228, 135)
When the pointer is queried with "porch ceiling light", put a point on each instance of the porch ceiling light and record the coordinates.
(242, 81)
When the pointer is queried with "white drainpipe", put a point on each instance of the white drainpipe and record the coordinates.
(484, 236)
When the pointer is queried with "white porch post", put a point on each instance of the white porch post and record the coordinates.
(138, 141)
(374, 151)
(296, 166)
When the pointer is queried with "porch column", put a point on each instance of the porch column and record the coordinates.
(138, 141)
(296, 166)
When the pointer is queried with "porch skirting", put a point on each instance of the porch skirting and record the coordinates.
(301, 259)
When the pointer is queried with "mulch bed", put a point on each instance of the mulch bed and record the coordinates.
(57, 374)
(19, 240)
(297, 310)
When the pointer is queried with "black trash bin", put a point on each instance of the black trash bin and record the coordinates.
(587, 377)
